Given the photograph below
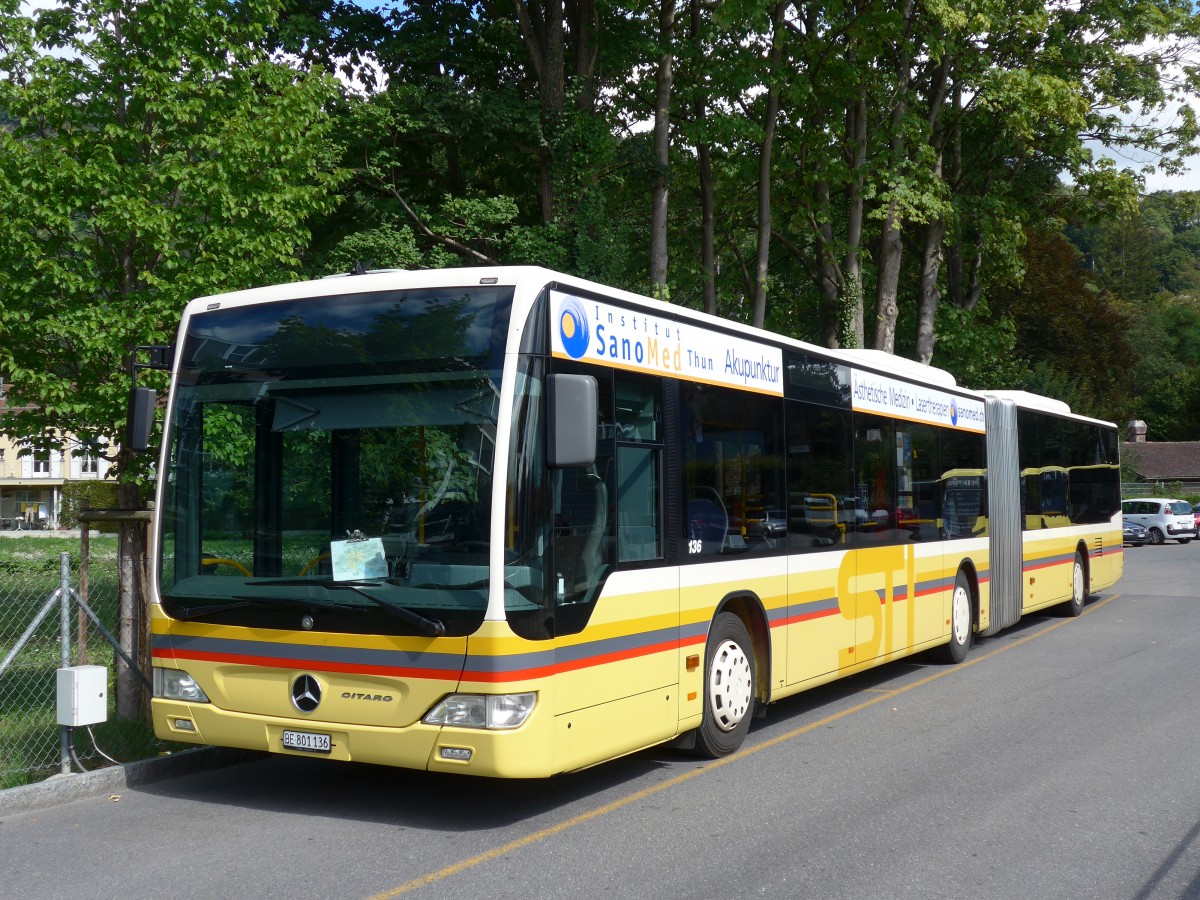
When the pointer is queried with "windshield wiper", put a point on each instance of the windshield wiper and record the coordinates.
(193, 612)
(425, 625)
(434, 586)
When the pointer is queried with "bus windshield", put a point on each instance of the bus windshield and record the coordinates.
(330, 462)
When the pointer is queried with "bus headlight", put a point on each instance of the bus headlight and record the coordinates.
(176, 684)
(493, 711)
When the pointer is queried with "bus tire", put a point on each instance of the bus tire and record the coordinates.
(728, 688)
(1074, 606)
(961, 608)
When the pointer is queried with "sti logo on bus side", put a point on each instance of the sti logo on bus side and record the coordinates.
(377, 698)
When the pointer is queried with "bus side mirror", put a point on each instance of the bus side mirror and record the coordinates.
(573, 409)
(141, 417)
(141, 400)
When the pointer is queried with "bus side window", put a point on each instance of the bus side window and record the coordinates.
(639, 459)
(582, 508)
(733, 472)
(581, 525)
(821, 506)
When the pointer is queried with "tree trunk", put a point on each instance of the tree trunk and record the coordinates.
(708, 265)
(964, 288)
(542, 29)
(929, 296)
(583, 17)
(708, 254)
(829, 279)
(758, 304)
(852, 286)
(662, 140)
(132, 619)
(887, 308)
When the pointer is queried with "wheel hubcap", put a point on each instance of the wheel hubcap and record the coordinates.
(1078, 583)
(961, 615)
(730, 685)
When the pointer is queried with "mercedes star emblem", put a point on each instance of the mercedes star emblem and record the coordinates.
(306, 693)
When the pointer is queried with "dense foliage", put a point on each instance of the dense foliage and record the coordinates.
(918, 177)
(155, 153)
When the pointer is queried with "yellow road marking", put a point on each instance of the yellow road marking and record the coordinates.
(550, 831)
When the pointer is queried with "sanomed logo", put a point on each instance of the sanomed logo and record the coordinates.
(573, 327)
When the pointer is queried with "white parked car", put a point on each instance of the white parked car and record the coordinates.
(1163, 519)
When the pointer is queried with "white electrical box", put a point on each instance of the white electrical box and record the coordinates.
(82, 695)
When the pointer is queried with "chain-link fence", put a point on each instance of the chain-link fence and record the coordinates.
(31, 643)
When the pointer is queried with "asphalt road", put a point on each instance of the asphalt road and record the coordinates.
(1058, 761)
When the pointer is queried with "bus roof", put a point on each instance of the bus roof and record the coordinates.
(393, 279)
(900, 365)
(1026, 400)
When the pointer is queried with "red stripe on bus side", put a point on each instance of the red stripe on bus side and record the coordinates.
(571, 666)
(429, 674)
(804, 617)
(1034, 566)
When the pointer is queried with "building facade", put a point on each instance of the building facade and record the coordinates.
(31, 484)
(1161, 463)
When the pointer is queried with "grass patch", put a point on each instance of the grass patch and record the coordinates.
(35, 555)
(29, 734)
(30, 747)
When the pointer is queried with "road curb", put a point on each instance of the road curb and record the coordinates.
(60, 789)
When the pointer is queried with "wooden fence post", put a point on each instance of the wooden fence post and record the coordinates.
(133, 610)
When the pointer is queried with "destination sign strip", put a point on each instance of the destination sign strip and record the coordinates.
(871, 392)
(595, 332)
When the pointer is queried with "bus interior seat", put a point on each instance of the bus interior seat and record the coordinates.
(707, 523)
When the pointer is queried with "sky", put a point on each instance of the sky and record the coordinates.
(1157, 181)
(1189, 180)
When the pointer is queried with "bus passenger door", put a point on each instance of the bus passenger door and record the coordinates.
(897, 581)
(822, 615)
(822, 515)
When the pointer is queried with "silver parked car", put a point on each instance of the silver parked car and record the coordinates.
(772, 524)
(1164, 519)
(1135, 534)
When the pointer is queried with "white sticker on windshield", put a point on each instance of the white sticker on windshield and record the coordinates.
(354, 560)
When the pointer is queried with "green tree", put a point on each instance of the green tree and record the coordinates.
(155, 153)
(488, 143)
(1071, 337)
(940, 131)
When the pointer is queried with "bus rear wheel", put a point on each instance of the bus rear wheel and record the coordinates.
(728, 688)
(1074, 606)
(960, 623)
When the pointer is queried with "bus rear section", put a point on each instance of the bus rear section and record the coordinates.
(1055, 498)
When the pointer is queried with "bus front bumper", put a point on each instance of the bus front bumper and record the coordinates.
(519, 753)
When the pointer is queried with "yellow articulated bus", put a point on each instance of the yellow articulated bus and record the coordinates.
(507, 522)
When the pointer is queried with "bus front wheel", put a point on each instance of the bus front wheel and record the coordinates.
(728, 687)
